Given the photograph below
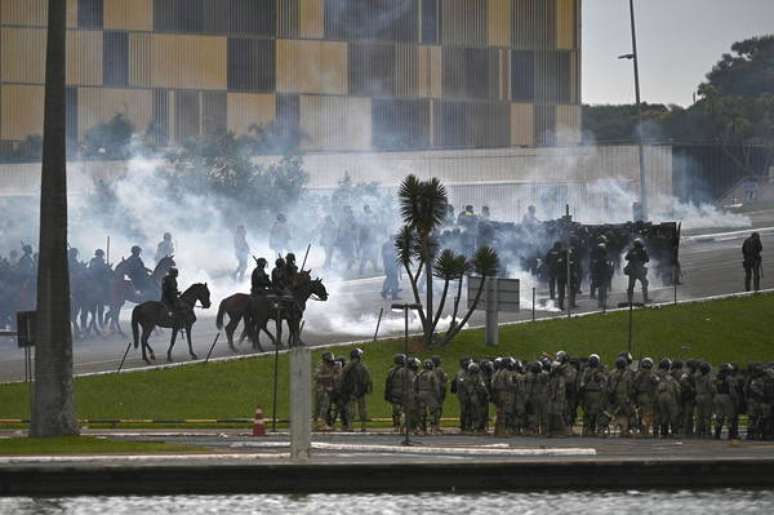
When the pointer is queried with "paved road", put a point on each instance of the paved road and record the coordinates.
(712, 266)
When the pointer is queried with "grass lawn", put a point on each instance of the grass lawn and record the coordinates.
(740, 330)
(83, 445)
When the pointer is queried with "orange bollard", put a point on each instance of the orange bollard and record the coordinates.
(258, 428)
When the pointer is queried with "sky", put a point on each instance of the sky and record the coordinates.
(678, 42)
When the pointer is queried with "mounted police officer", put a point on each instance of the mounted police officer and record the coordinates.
(637, 257)
(170, 295)
(260, 283)
(279, 277)
(136, 270)
(97, 265)
(751, 251)
(291, 268)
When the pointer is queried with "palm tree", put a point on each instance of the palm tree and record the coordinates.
(486, 264)
(423, 208)
(53, 408)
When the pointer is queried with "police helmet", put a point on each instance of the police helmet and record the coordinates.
(428, 364)
(356, 353)
(665, 364)
(638, 243)
(546, 364)
(341, 360)
(464, 362)
(620, 363)
(518, 365)
(136, 249)
(705, 368)
(487, 365)
(290, 257)
(726, 368)
(279, 262)
(562, 356)
(413, 363)
(535, 367)
(498, 363)
(261, 262)
(627, 356)
(436, 360)
(646, 363)
(99, 252)
(594, 360)
(473, 367)
(399, 359)
(327, 356)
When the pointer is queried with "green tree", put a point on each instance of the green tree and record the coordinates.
(110, 140)
(53, 404)
(423, 207)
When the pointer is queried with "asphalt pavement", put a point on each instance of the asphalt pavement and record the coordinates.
(711, 265)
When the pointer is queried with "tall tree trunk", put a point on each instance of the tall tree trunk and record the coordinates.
(53, 407)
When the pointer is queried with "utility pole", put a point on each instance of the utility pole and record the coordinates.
(643, 190)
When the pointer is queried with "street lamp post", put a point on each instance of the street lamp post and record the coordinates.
(405, 308)
(634, 56)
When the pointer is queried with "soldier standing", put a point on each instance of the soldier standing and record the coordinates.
(428, 393)
(557, 402)
(409, 394)
(324, 378)
(502, 395)
(260, 283)
(477, 396)
(751, 252)
(668, 400)
(570, 375)
(565, 283)
(705, 394)
(241, 252)
(599, 273)
(457, 386)
(637, 257)
(620, 396)
(356, 384)
(535, 386)
(725, 401)
(443, 381)
(593, 388)
(688, 396)
(393, 389)
(552, 263)
(165, 247)
(645, 383)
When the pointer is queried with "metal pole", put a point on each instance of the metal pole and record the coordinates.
(108, 250)
(212, 347)
(378, 323)
(26, 364)
(276, 365)
(309, 246)
(407, 440)
(641, 152)
(631, 311)
(533, 304)
(126, 353)
(674, 281)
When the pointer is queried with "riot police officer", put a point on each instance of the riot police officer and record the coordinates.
(259, 281)
(637, 257)
(751, 251)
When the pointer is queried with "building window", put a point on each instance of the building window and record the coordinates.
(400, 124)
(178, 15)
(115, 58)
(372, 70)
(90, 14)
(253, 17)
(251, 64)
(376, 20)
(522, 76)
(431, 22)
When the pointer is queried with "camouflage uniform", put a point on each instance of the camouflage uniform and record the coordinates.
(725, 401)
(557, 402)
(428, 398)
(620, 388)
(324, 378)
(536, 390)
(645, 395)
(668, 402)
(502, 387)
(593, 388)
(705, 393)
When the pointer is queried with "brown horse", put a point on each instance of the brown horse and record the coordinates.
(122, 290)
(263, 309)
(153, 314)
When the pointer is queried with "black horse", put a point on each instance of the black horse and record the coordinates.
(153, 314)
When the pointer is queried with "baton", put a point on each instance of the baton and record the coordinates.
(124, 358)
(212, 347)
(306, 256)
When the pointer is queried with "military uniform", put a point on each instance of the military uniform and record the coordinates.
(260, 283)
(443, 382)
(574, 277)
(536, 388)
(477, 397)
(356, 384)
(668, 402)
(393, 390)
(688, 399)
(593, 388)
(503, 392)
(705, 393)
(751, 253)
(620, 406)
(637, 257)
(170, 293)
(645, 398)
(552, 263)
(725, 403)
(556, 395)
(324, 378)
(428, 394)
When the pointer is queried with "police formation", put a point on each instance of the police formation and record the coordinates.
(560, 251)
(557, 396)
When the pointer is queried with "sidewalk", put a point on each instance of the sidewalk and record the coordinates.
(233, 463)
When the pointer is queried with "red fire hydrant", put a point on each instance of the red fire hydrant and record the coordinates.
(258, 428)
